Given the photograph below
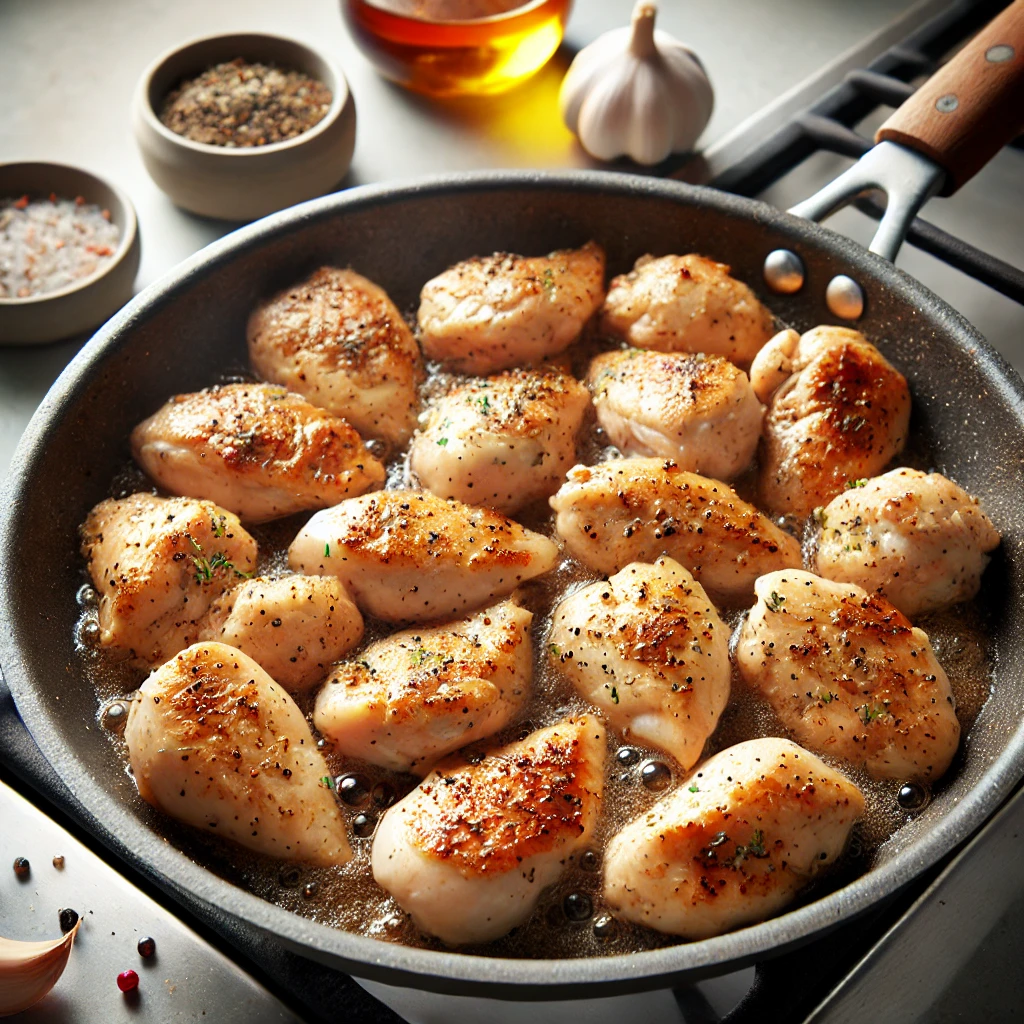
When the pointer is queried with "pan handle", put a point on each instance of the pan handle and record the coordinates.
(971, 107)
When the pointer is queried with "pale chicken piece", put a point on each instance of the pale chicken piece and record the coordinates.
(407, 556)
(157, 565)
(420, 694)
(502, 442)
(338, 340)
(648, 649)
(918, 539)
(468, 853)
(216, 743)
(296, 627)
(686, 304)
(843, 414)
(734, 843)
(698, 410)
(494, 312)
(773, 365)
(849, 676)
(633, 510)
(254, 449)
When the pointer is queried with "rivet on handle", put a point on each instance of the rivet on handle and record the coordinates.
(784, 271)
(845, 298)
(999, 54)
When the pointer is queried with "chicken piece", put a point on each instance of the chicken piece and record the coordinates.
(773, 365)
(157, 565)
(734, 843)
(842, 415)
(296, 627)
(494, 312)
(502, 442)
(648, 649)
(254, 449)
(633, 510)
(686, 304)
(469, 851)
(217, 744)
(916, 538)
(338, 340)
(849, 676)
(406, 556)
(698, 410)
(418, 695)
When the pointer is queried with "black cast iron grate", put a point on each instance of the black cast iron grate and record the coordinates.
(829, 125)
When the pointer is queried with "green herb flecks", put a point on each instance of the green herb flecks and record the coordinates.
(547, 282)
(755, 848)
(615, 696)
(327, 551)
(442, 442)
(869, 713)
(694, 788)
(555, 650)
(851, 484)
(217, 564)
(775, 601)
(820, 517)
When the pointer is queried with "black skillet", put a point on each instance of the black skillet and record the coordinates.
(188, 329)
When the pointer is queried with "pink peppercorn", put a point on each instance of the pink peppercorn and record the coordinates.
(127, 980)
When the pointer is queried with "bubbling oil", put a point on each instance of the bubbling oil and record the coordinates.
(347, 897)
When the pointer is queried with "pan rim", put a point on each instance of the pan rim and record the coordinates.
(453, 972)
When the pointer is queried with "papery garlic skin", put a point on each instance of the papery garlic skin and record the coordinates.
(28, 970)
(636, 92)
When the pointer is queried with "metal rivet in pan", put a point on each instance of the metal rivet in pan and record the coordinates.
(845, 298)
(784, 271)
(999, 54)
(947, 104)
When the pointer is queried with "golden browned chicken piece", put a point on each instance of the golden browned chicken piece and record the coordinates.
(915, 538)
(217, 744)
(494, 312)
(157, 565)
(415, 696)
(468, 853)
(296, 627)
(408, 556)
(842, 415)
(254, 449)
(698, 410)
(648, 649)
(633, 510)
(734, 843)
(504, 441)
(686, 304)
(849, 676)
(337, 339)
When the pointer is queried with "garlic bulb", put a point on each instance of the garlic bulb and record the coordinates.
(28, 970)
(636, 92)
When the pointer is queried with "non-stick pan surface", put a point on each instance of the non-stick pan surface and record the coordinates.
(187, 330)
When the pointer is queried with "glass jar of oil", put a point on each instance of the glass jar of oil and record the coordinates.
(457, 47)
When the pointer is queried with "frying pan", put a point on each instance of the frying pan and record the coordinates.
(187, 330)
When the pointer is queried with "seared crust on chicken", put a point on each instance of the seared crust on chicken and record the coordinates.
(157, 565)
(295, 627)
(842, 415)
(217, 744)
(698, 410)
(648, 649)
(849, 676)
(408, 556)
(337, 339)
(734, 843)
(469, 851)
(915, 538)
(631, 510)
(503, 441)
(686, 304)
(254, 449)
(417, 695)
(494, 312)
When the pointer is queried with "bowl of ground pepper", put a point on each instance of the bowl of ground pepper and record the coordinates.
(237, 126)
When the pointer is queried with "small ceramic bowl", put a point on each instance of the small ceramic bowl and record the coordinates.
(87, 303)
(241, 184)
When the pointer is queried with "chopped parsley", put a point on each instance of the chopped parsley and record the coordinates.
(775, 601)
(218, 526)
(218, 563)
(851, 484)
(442, 442)
(547, 282)
(755, 848)
(327, 551)
(485, 404)
(694, 788)
(869, 713)
(820, 518)
(826, 696)
(615, 696)
(555, 649)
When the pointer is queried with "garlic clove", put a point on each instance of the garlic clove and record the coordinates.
(28, 970)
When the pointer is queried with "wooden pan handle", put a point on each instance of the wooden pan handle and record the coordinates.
(972, 106)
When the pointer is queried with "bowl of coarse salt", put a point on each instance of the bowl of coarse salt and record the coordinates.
(69, 251)
(237, 126)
